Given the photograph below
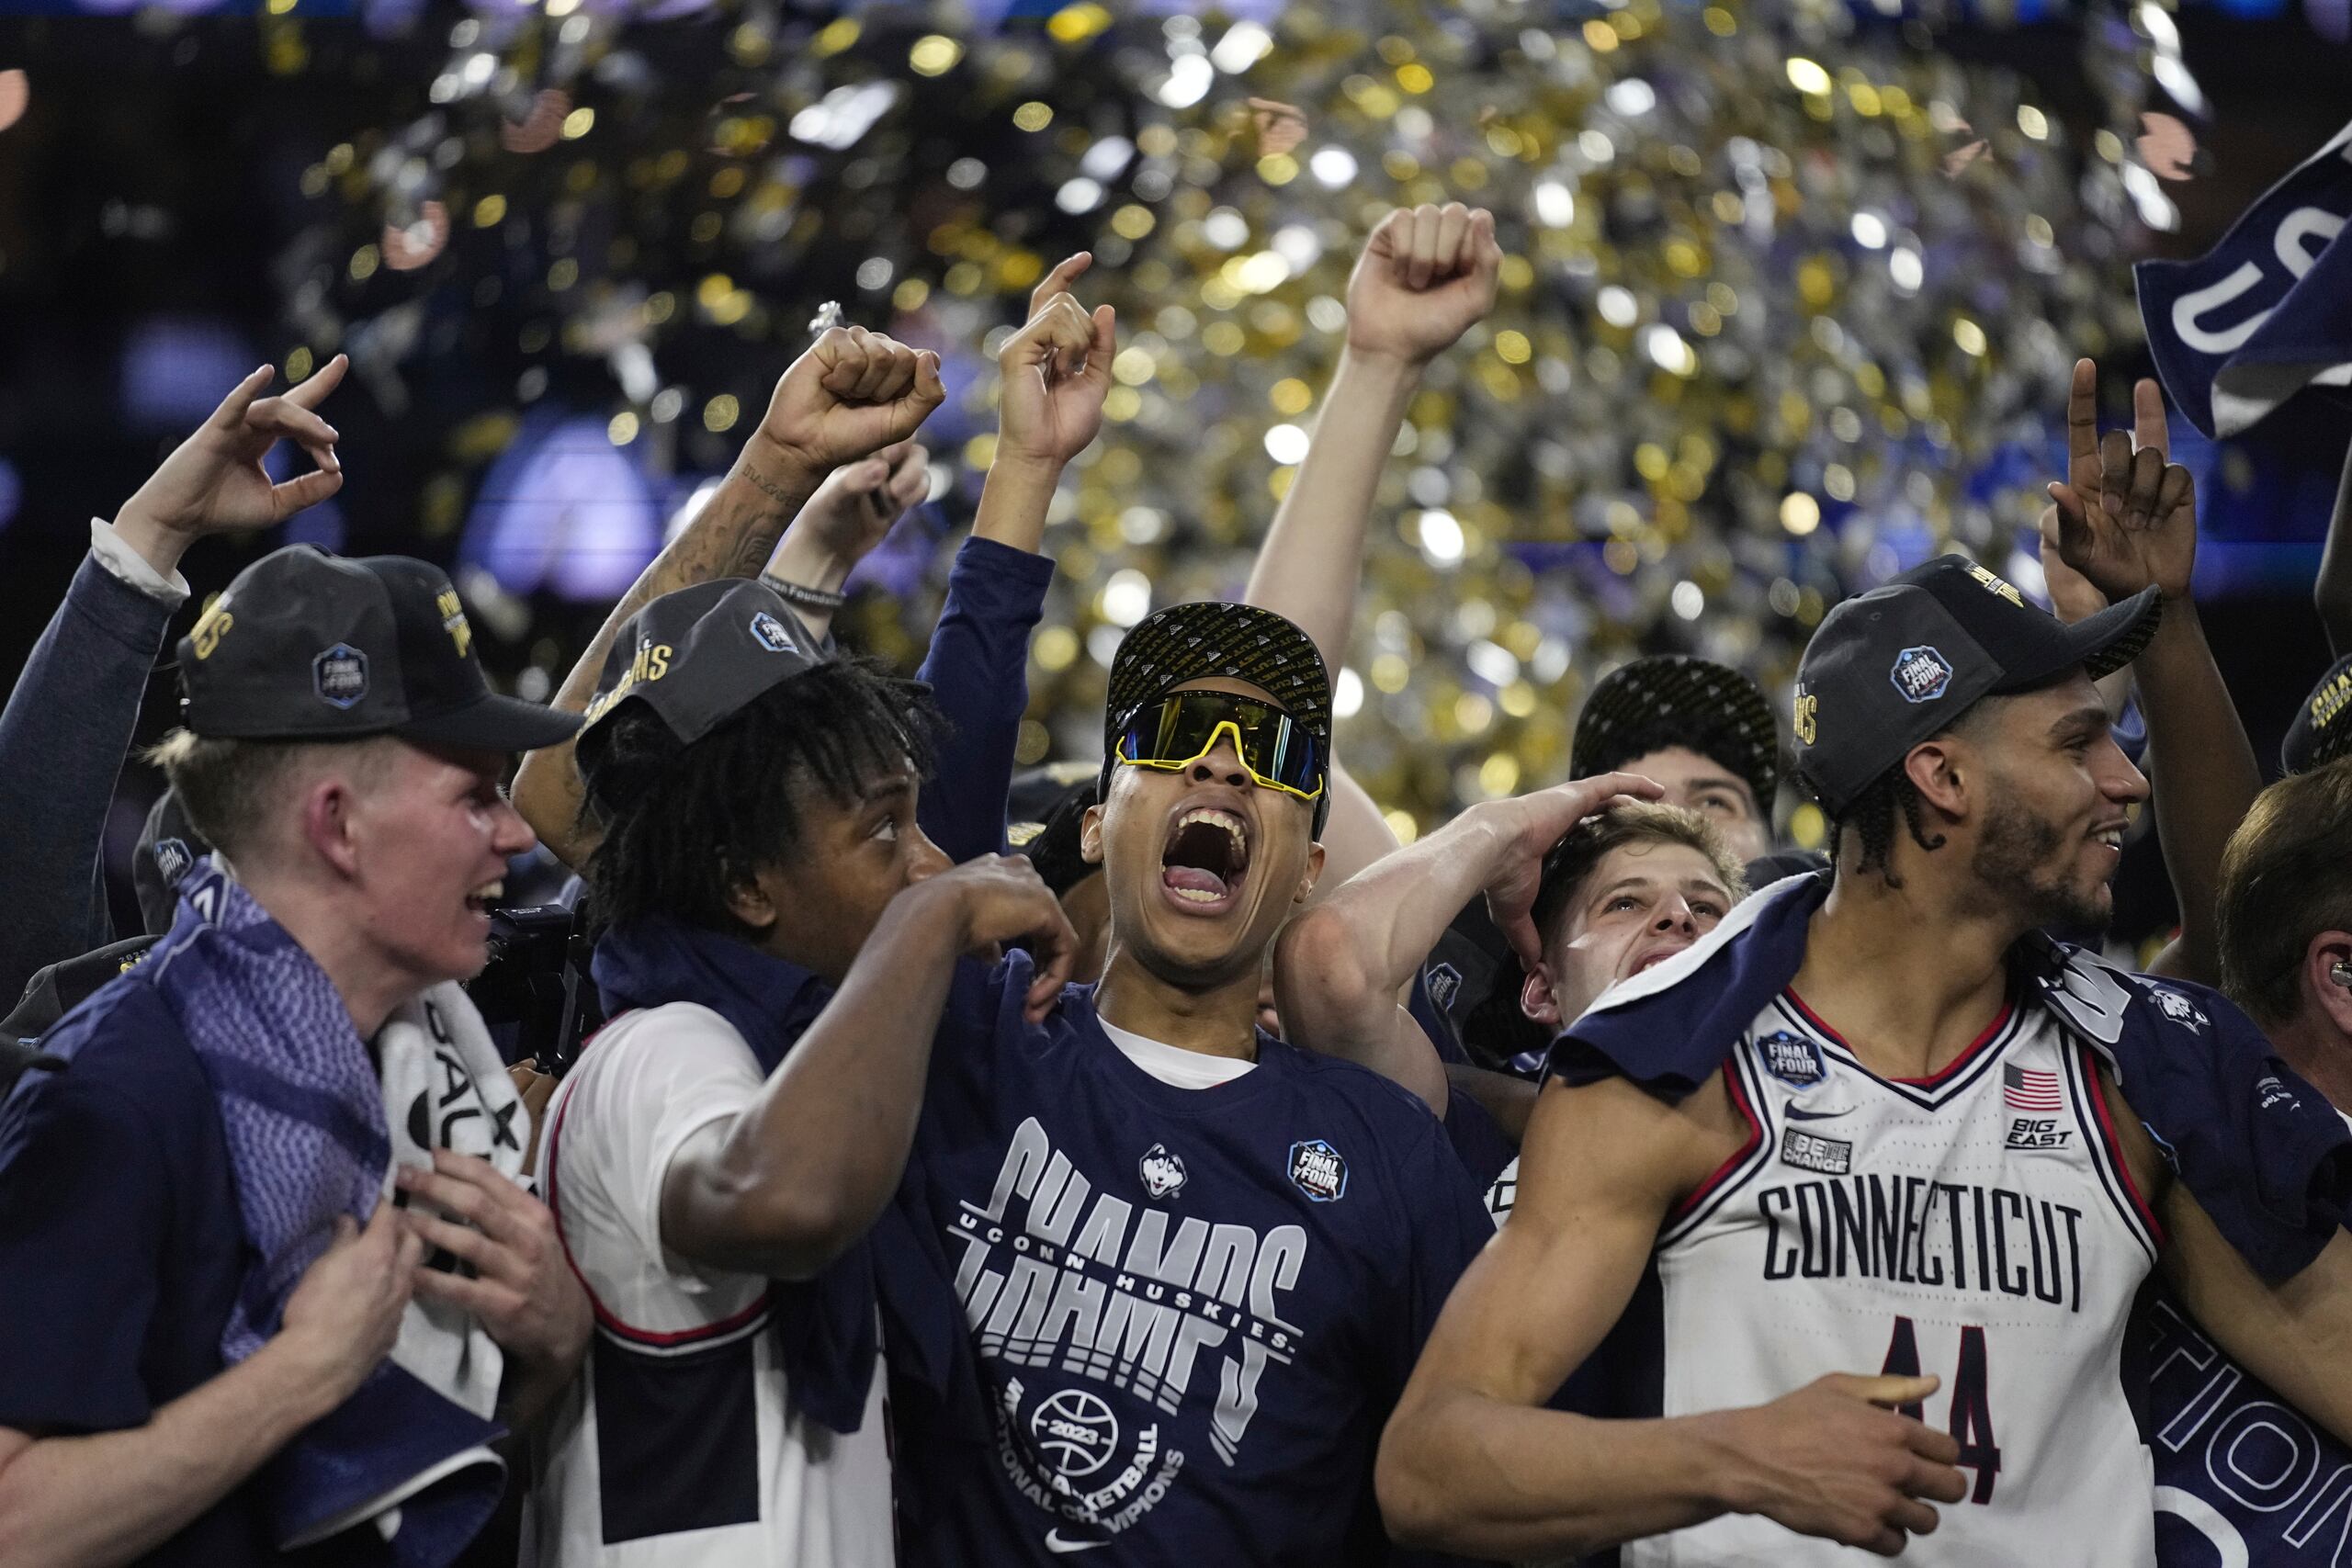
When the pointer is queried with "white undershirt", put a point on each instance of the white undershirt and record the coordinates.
(1173, 1065)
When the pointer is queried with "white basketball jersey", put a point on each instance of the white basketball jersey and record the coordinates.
(1979, 1225)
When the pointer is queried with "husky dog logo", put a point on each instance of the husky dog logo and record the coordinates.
(770, 632)
(2177, 1007)
(1163, 1173)
(1921, 674)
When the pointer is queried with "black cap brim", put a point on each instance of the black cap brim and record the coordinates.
(2099, 644)
(494, 723)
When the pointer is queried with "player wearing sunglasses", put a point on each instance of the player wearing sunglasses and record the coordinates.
(1194, 1264)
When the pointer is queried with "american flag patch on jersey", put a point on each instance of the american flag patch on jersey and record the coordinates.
(2022, 1089)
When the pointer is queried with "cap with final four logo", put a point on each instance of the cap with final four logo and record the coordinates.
(694, 658)
(1890, 668)
(305, 646)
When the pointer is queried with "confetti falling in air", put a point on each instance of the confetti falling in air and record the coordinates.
(542, 127)
(2166, 146)
(1281, 128)
(405, 249)
(1789, 302)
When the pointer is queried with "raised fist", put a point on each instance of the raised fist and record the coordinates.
(852, 394)
(1426, 276)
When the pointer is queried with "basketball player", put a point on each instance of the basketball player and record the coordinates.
(1195, 1262)
(1872, 1196)
(1586, 900)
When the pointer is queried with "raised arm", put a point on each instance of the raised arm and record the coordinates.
(852, 393)
(2127, 518)
(1057, 371)
(1471, 1464)
(2332, 593)
(1343, 970)
(1427, 275)
(788, 1185)
(70, 717)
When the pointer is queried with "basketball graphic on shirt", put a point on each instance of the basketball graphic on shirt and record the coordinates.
(1074, 1432)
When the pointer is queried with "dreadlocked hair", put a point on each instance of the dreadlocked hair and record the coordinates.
(1871, 816)
(685, 825)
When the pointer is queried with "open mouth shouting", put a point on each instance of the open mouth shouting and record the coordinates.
(479, 901)
(1206, 860)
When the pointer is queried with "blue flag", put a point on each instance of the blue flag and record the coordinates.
(2268, 310)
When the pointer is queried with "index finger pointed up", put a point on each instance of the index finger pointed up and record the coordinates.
(325, 379)
(1104, 341)
(1059, 280)
(2082, 424)
(2148, 427)
(232, 412)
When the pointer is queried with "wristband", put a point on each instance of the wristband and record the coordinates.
(800, 593)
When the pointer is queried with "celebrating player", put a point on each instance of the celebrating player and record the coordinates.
(1871, 1135)
(1585, 901)
(1195, 1262)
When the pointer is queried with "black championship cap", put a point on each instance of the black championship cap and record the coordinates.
(1046, 815)
(1673, 699)
(311, 647)
(2323, 730)
(695, 659)
(1891, 667)
(169, 847)
(1213, 640)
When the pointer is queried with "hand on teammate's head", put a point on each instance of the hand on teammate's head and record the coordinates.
(1426, 276)
(1532, 824)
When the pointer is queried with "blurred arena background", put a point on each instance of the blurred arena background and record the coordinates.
(1792, 293)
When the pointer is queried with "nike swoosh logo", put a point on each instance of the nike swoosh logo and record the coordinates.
(1798, 1113)
(1059, 1548)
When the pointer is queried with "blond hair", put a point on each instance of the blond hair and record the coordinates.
(232, 790)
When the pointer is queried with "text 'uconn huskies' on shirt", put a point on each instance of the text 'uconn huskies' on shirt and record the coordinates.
(1079, 1281)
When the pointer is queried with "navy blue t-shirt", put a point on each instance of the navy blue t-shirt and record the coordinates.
(2242, 1476)
(1191, 1309)
(121, 1251)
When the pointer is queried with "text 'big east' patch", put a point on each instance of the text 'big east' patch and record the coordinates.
(1316, 1169)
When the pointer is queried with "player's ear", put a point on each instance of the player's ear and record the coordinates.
(1090, 836)
(1311, 875)
(1536, 998)
(1935, 768)
(748, 900)
(2327, 979)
